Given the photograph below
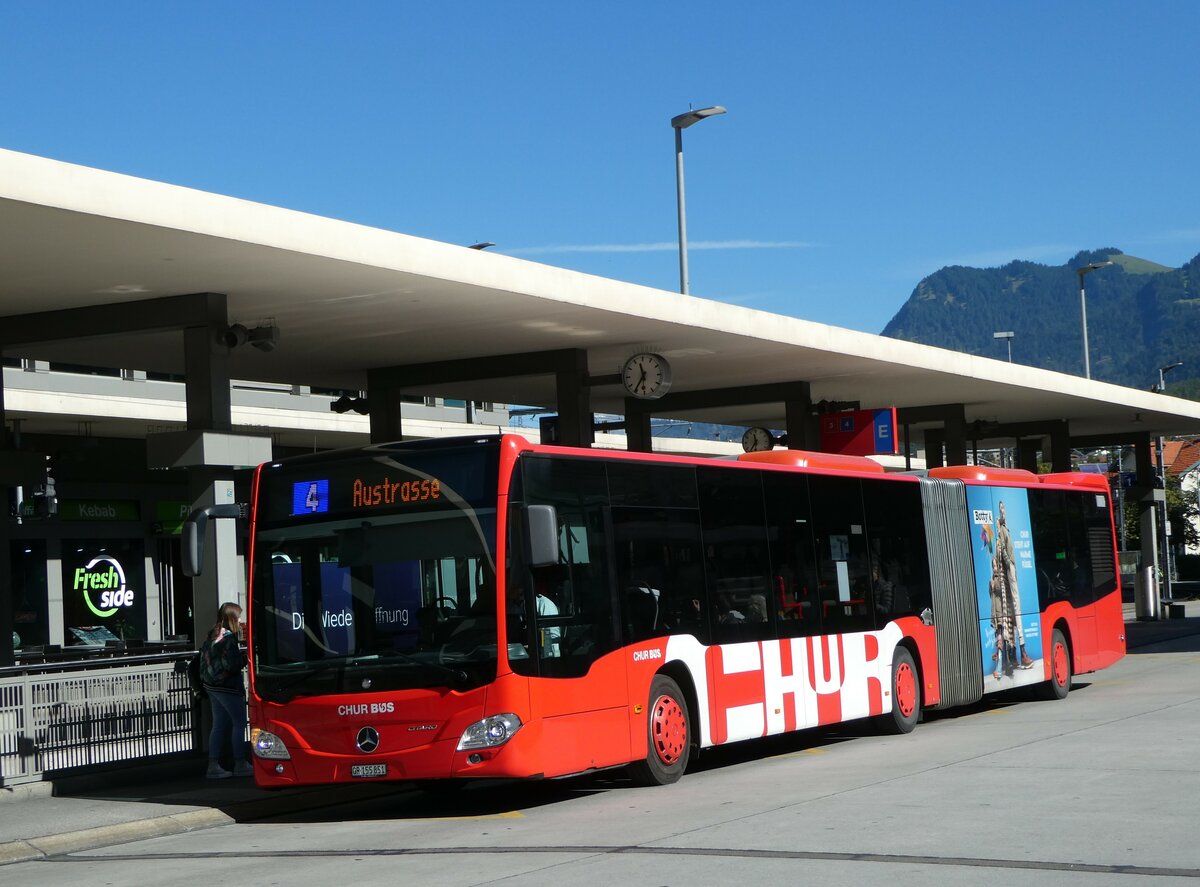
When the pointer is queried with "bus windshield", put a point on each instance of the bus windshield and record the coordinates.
(379, 574)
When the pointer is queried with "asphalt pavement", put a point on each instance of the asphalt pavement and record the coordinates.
(51, 818)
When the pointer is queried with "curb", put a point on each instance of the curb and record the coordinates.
(25, 791)
(313, 798)
(119, 833)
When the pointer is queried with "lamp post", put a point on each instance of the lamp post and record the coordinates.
(679, 123)
(1082, 272)
(1007, 335)
(1162, 475)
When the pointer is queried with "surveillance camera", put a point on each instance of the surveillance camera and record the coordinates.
(234, 336)
(264, 338)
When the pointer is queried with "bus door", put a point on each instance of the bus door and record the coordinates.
(567, 638)
(1076, 564)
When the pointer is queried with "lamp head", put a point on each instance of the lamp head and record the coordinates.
(1094, 266)
(683, 121)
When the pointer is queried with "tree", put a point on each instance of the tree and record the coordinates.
(1183, 509)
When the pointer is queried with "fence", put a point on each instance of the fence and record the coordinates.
(66, 717)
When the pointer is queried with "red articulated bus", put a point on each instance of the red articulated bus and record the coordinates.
(485, 607)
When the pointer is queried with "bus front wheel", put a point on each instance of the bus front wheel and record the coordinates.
(906, 695)
(668, 733)
(1059, 684)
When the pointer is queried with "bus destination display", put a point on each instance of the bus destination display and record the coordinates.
(313, 496)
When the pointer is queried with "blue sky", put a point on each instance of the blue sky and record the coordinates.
(866, 144)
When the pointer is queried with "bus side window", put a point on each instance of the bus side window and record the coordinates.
(793, 562)
(843, 569)
(658, 561)
(1051, 545)
(736, 554)
(898, 552)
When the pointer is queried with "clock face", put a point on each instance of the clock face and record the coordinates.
(646, 375)
(757, 440)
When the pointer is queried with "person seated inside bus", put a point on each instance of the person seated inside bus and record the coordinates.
(882, 588)
(686, 617)
(727, 610)
(548, 635)
(756, 608)
(641, 611)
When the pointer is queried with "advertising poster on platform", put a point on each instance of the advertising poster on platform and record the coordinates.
(1006, 585)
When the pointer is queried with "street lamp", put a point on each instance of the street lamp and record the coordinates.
(1162, 476)
(679, 124)
(1007, 334)
(1085, 270)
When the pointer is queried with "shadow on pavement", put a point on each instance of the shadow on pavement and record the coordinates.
(1175, 635)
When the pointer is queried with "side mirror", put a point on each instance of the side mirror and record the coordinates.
(541, 531)
(193, 534)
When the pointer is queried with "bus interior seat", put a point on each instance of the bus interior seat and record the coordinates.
(641, 610)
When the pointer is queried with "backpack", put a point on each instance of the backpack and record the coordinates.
(195, 684)
(214, 669)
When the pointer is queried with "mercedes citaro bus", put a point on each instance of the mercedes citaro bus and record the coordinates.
(485, 607)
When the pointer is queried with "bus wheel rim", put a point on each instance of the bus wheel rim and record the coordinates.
(1060, 665)
(668, 727)
(906, 689)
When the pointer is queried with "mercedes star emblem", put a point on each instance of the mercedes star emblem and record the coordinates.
(368, 739)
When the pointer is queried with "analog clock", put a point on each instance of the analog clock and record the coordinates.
(646, 376)
(757, 440)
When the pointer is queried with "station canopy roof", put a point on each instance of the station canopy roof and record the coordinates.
(347, 298)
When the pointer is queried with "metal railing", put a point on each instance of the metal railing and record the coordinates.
(64, 717)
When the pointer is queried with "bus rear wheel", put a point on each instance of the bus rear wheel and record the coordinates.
(906, 695)
(669, 735)
(1059, 684)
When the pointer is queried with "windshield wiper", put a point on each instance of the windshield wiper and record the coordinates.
(278, 692)
(459, 676)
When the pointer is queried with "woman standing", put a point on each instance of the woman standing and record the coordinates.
(221, 664)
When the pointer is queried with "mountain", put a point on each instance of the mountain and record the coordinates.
(1141, 316)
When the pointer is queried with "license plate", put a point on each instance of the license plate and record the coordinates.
(366, 771)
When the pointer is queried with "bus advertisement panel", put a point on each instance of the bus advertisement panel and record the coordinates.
(1006, 585)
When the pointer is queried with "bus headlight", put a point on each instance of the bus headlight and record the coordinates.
(490, 732)
(268, 745)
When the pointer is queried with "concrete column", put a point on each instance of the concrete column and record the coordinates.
(575, 424)
(220, 579)
(1027, 453)
(934, 438)
(1060, 446)
(206, 370)
(637, 426)
(55, 615)
(7, 598)
(383, 400)
(802, 427)
(1148, 506)
(206, 362)
(956, 435)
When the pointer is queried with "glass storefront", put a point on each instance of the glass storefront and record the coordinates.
(31, 625)
(104, 590)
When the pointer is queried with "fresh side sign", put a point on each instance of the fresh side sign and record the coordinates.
(102, 583)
